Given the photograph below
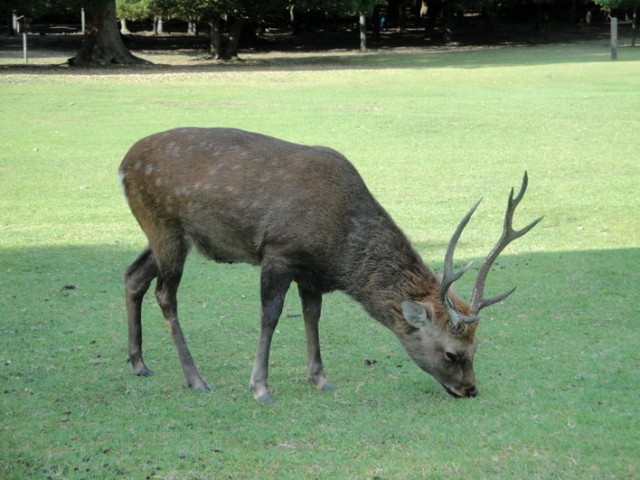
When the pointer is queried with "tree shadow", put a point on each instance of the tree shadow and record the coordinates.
(574, 316)
(556, 360)
(556, 280)
(577, 48)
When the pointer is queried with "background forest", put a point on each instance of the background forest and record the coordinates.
(232, 24)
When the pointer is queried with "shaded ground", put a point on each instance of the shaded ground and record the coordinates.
(181, 49)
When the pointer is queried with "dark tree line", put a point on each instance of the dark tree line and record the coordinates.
(225, 20)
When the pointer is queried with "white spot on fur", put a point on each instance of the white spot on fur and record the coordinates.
(148, 169)
(179, 191)
(174, 149)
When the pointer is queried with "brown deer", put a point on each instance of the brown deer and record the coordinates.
(304, 215)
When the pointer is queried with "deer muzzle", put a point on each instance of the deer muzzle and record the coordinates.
(461, 393)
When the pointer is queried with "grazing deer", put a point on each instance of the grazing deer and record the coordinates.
(304, 215)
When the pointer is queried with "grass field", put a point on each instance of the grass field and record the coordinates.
(430, 132)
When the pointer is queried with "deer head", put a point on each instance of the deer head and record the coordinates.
(443, 342)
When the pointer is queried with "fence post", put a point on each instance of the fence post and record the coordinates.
(614, 38)
(25, 53)
(363, 32)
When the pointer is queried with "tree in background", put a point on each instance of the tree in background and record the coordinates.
(102, 44)
(364, 9)
(187, 10)
(330, 8)
(132, 10)
(26, 8)
(225, 18)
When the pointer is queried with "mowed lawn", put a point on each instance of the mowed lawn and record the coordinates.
(431, 132)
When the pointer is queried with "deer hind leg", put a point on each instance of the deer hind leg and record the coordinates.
(170, 258)
(138, 278)
(274, 283)
(311, 306)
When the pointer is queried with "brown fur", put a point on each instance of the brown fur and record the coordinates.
(302, 214)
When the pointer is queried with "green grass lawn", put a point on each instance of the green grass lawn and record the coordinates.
(431, 132)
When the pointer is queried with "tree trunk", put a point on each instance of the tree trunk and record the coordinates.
(12, 23)
(235, 30)
(192, 27)
(225, 48)
(402, 18)
(294, 22)
(216, 38)
(124, 30)
(375, 23)
(432, 10)
(158, 26)
(102, 44)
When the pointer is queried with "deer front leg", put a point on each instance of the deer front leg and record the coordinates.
(311, 307)
(137, 279)
(274, 283)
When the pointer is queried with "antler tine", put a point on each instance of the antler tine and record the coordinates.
(449, 276)
(508, 236)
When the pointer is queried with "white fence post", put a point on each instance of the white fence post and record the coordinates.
(25, 53)
(614, 38)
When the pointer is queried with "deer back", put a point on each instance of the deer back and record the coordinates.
(236, 193)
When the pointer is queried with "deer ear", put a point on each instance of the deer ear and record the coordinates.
(416, 315)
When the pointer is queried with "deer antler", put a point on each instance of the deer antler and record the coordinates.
(508, 235)
(449, 276)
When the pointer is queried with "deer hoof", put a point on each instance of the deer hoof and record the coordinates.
(266, 398)
(144, 372)
(321, 383)
(204, 389)
(200, 387)
(261, 393)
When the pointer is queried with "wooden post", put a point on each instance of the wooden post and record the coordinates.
(25, 53)
(82, 20)
(614, 38)
(634, 26)
(363, 32)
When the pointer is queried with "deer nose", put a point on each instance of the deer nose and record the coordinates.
(472, 392)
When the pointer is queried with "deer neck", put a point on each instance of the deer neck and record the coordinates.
(387, 270)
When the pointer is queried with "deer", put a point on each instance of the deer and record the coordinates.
(304, 215)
